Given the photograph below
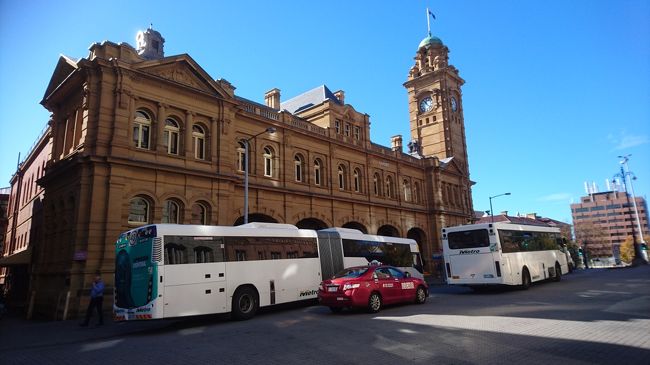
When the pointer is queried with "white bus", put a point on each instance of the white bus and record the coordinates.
(169, 270)
(503, 253)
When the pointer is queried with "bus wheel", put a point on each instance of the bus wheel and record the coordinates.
(558, 273)
(336, 309)
(374, 303)
(525, 279)
(420, 295)
(244, 303)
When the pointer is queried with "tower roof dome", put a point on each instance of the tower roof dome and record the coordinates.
(430, 41)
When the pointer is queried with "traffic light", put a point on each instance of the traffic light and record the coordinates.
(580, 251)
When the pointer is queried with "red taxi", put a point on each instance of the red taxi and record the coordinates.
(371, 287)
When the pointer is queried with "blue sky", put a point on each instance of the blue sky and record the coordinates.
(555, 90)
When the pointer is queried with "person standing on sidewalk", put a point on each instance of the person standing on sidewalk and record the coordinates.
(96, 299)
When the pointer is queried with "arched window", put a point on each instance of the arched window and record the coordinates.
(141, 129)
(171, 212)
(416, 192)
(170, 136)
(406, 187)
(198, 135)
(389, 187)
(139, 209)
(199, 214)
(241, 156)
(376, 184)
(317, 171)
(298, 167)
(175, 254)
(268, 161)
(203, 254)
(341, 172)
(357, 180)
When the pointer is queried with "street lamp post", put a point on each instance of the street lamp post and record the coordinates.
(269, 130)
(492, 212)
(638, 255)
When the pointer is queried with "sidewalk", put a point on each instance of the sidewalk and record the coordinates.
(17, 332)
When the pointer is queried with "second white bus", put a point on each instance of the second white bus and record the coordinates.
(503, 254)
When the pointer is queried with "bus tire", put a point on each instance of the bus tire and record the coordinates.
(245, 303)
(374, 302)
(525, 279)
(420, 295)
(558, 272)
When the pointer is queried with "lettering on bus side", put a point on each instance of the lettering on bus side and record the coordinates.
(308, 293)
(467, 252)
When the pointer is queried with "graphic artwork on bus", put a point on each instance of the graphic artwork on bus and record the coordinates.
(135, 269)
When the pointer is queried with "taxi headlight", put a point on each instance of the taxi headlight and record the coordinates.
(351, 286)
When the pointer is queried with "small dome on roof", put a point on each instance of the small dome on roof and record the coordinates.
(430, 41)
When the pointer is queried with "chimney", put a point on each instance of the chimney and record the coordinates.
(504, 213)
(531, 215)
(396, 143)
(341, 96)
(272, 98)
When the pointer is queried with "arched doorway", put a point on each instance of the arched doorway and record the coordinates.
(430, 264)
(388, 230)
(255, 217)
(311, 223)
(356, 225)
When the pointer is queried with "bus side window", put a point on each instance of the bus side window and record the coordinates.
(203, 254)
(174, 254)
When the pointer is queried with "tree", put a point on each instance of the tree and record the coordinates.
(593, 239)
(573, 247)
(627, 250)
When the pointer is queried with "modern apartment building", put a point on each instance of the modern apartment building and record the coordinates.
(603, 221)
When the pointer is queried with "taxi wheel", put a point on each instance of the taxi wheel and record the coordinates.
(420, 295)
(374, 303)
(336, 309)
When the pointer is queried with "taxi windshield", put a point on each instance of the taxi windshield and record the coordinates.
(351, 273)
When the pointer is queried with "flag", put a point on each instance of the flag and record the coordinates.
(430, 13)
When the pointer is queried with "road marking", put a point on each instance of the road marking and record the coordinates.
(627, 333)
(597, 293)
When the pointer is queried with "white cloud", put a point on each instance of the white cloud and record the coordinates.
(625, 140)
(556, 197)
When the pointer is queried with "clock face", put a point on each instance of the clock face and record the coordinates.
(454, 104)
(426, 104)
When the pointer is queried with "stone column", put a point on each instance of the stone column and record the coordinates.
(158, 128)
(189, 122)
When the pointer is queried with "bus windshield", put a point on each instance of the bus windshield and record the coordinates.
(468, 239)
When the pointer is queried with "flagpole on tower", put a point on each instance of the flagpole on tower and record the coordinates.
(428, 22)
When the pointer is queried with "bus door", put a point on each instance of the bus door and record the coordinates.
(330, 252)
(194, 276)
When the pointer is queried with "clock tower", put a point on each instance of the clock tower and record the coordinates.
(435, 104)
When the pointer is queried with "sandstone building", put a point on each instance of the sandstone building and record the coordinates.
(139, 137)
